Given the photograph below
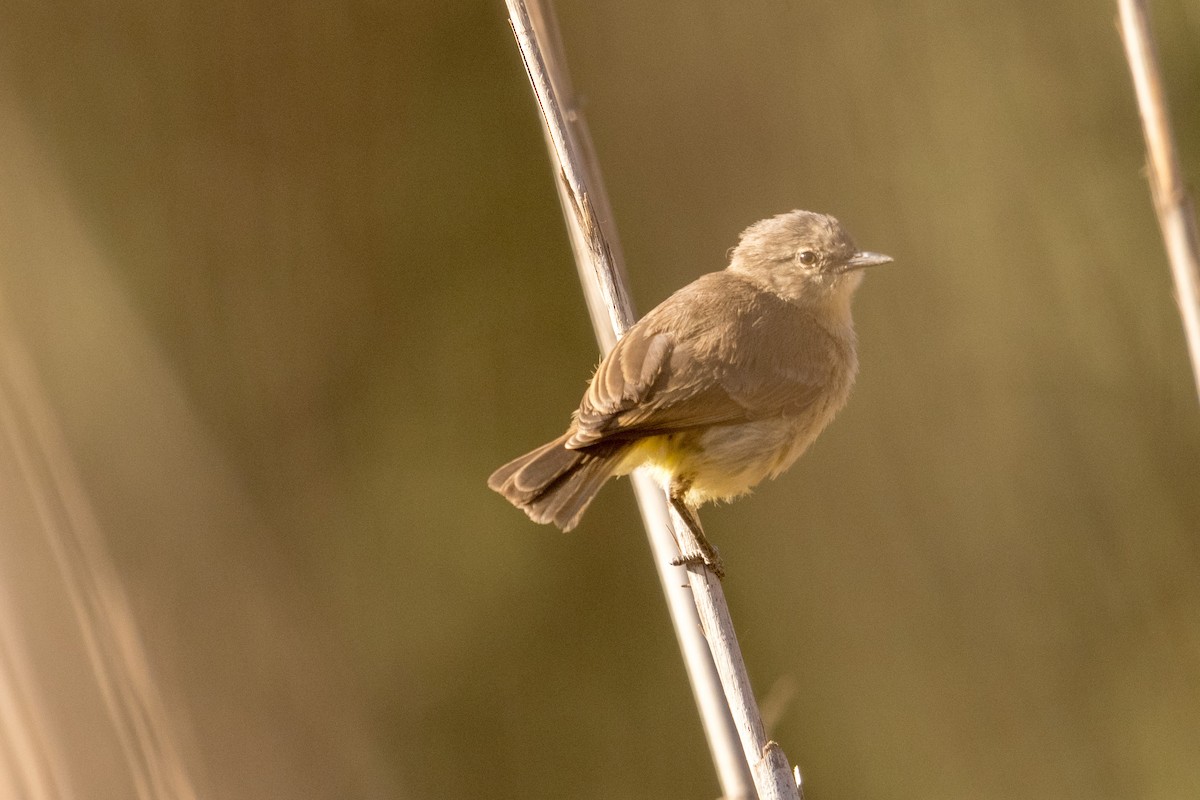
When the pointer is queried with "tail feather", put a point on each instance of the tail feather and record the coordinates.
(566, 501)
(554, 484)
(521, 479)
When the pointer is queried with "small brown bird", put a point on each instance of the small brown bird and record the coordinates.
(724, 384)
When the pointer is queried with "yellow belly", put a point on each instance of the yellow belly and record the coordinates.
(723, 462)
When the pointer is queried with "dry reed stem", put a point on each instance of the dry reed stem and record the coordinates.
(701, 617)
(1172, 202)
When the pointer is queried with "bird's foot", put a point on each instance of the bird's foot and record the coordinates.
(694, 547)
(698, 559)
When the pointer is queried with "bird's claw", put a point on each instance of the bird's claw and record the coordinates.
(712, 562)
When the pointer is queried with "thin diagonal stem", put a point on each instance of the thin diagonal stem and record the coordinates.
(745, 760)
(1172, 202)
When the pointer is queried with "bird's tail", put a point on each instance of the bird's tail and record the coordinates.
(554, 484)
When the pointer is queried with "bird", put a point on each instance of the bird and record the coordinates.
(722, 385)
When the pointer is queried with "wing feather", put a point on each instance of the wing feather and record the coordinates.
(673, 371)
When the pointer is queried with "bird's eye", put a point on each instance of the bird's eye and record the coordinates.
(807, 258)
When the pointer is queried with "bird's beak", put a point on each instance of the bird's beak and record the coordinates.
(864, 259)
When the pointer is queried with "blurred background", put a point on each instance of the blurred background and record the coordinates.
(280, 284)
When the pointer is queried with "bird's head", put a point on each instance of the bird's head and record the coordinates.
(803, 256)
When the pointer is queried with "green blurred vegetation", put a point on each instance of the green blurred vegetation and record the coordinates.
(336, 225)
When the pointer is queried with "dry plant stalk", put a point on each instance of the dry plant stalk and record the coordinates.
(84, 599)
(714, 660)
(1172, 203)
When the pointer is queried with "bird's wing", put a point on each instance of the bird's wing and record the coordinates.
(670, 372)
